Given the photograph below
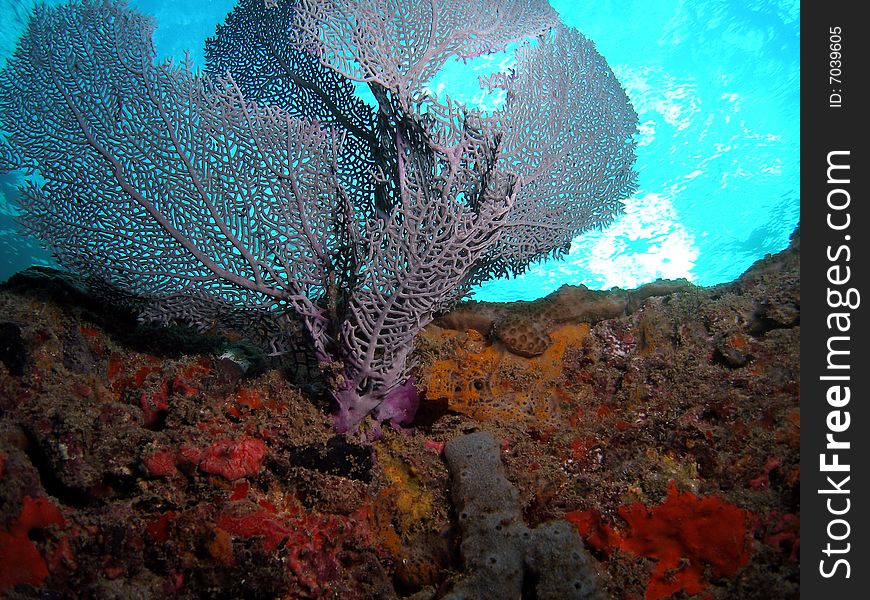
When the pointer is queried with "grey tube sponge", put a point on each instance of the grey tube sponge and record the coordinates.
(501, 553)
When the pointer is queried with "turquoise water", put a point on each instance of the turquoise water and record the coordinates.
(716, 87)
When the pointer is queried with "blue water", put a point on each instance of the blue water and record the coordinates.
(716, 86)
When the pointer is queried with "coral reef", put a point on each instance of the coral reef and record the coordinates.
(143, 462)
(523, 327)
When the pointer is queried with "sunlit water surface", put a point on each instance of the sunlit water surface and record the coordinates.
(715, 84)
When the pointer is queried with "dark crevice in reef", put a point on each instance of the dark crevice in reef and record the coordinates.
(336, 457)
(67, 495)
(530, 585)
(13, 354)
(763, 322)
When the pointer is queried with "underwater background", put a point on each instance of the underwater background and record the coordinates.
(715, 84)
(626, 444)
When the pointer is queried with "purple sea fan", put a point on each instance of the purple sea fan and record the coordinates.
(266, 187)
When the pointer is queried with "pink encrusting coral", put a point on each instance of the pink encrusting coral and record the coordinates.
(267, 193)
(233, 459)
(230, 458)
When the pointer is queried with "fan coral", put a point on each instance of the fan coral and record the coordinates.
(265, 191)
